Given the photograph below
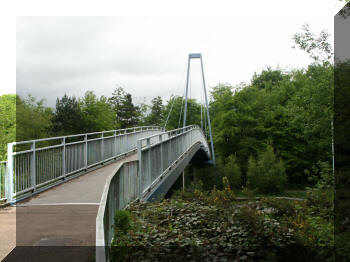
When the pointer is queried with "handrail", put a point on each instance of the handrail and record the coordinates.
(84, 134)
(112, 200)
(38, 167)
(161, 150)
(129, 181)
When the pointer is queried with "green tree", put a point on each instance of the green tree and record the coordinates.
(174, 109)
(97, 113)
(33, 119)
(126, 113)
(233, 172)
(267, 78)
(7, 123)
(317, 46)
(267, 175)
(68, 117)
(156, 117)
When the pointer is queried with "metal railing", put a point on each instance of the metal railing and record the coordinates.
(36, 164)
(2, 179)
(120, 189)
(156, 153)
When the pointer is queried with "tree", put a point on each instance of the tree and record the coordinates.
(33, 119)
(267, 175)
(126, 113)
(233, 172)
(267, 78)
(289, 110)
(68, 117)
(175, 110)
(97, 113)
(156, 117)
(7, 123)
(318, 47)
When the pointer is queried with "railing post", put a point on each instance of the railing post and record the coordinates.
(102, 147)
(115, 143)
(33, 168)
(139, 156)
(85, 152)
(64, 158)
(9, 181)
(149, 159)
(161, 153)
(169, 152)
(126, 141)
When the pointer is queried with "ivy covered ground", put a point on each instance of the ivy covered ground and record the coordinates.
(213, 226)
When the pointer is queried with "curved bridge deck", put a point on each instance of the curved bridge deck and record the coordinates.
(72, 220)
(65, 215)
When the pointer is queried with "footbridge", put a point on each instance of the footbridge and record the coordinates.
(67, 189)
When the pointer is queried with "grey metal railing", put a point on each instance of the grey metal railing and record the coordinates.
(36, 164)
(2, 179)
(156, 153)
(120, 189)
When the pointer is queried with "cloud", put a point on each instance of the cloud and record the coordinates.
(146, 55)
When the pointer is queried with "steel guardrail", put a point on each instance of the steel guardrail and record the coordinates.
(36, 164)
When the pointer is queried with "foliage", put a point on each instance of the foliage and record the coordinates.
(122, 221)
(202, 226)
(97, 114)
(33, 119)
(126, 113)
(175, 106)
(7, 123)
(156, 116)
(233, 172)
(322, 175)
(67, 117)
(318, 47)
(291, 111)
(267, 175)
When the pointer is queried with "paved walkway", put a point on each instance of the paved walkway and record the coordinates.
(64, 216)
(7, 230)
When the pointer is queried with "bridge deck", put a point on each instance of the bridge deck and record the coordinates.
(64, 215)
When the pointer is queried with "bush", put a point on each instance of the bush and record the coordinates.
(233, 172)
(122, 221)
(267, 175)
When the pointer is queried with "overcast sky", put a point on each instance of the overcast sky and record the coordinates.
(147, 56)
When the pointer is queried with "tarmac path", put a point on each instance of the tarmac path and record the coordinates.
(58, 224)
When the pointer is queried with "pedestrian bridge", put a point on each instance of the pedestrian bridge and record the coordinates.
(67, 189)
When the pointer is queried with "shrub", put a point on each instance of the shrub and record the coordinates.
(268, 174)
(321, 175)
(122, 221)
(233, 172)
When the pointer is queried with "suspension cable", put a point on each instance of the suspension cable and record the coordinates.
(177, 88)
(171, 109)
(182, 103)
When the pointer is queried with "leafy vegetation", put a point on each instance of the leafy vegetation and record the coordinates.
(267, 175)
(208, 225)
(7, 122)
